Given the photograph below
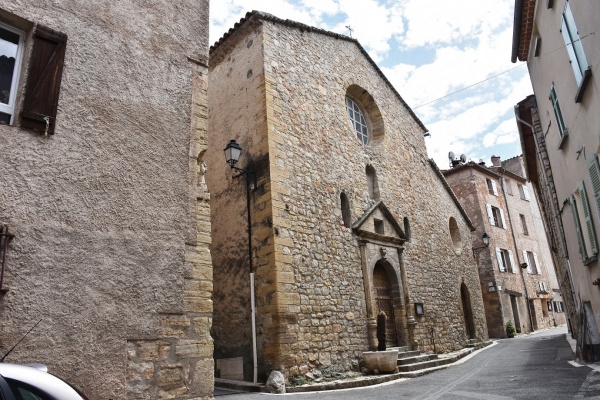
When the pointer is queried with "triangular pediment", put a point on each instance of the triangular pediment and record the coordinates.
(378, 223)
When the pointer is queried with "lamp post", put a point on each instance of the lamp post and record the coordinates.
(233, 152)
(486, 242)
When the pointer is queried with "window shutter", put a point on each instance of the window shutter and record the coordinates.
(500, 262)
(494, 188)
(589, 223)
(526, 193)
(594, 169)
(537, 264)
(490, 214)
(582, 250)
(43, 79)
(502, 218)
(570, 50)
(526, 259)
(512, 262)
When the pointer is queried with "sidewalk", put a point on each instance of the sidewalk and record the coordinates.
(456, 357)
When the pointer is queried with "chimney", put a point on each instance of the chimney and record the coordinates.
(496, 161)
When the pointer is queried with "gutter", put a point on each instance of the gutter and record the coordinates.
(518, 18)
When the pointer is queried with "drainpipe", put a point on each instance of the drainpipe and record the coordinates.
(553, 206)
(512, 234)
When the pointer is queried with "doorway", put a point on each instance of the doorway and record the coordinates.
(467, 311)
(515, 311)
(383, 298)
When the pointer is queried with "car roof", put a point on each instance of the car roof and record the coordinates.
(39, 379)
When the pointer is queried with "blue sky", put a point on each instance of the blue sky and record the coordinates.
(428, 49)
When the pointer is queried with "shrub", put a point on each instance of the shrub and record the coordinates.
(381, 331)
(510, 329)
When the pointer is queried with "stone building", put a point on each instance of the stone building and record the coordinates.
(559, 136)
(104, 215)
(501, 204)
(348, 215)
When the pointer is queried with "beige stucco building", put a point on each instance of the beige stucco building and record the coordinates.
(501, 204)
(104, 213)
(348, 214)
(561, 142)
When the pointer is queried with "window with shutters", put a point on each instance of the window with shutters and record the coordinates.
(574, 47)
(495, 216)
(39, 100)
(524, 192)
(533, 264)
(506, 262)
(563, 132)
(492, 188)
(584, 225)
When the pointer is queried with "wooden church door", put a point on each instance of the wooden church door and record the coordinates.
(383, 297)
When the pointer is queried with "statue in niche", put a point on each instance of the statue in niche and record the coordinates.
(202, 180)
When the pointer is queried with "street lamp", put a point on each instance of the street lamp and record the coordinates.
(486, 242)
(233, 152)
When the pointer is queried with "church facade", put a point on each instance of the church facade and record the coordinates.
(347, 215)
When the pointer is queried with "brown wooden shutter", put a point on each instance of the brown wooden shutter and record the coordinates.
(43, 80)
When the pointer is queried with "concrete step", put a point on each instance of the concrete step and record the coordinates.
(425, 364)
(401, 349)
(408, 354)
(416, 359)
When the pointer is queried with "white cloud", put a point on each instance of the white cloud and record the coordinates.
(465, 44)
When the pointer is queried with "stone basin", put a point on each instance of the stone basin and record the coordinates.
(381, 362)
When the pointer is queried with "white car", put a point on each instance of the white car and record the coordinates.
(33, 382)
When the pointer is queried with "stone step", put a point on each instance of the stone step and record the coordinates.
(408, 354)
(416, 359)
(401, 349)
(425, 364)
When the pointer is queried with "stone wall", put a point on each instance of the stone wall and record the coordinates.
(272, 83)
(111, 232)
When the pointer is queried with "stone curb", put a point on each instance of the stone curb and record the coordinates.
(350, 384)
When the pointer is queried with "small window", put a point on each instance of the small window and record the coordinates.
(524, 192)
(379, 228)
(506, 262)
(533, 266)
(492, 188)
(372, 183)
(508, 185)
(524, 224)
(359, 122)
(11, 52)
(455, 235)
(562, 130)
(407, 228)
(345, 206)
(549, 304)
(495, 216)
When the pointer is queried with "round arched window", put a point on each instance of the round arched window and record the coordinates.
(359, 122)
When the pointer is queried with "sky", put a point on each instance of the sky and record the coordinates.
(450, 62)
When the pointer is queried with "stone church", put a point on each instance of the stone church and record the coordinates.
(347, 215)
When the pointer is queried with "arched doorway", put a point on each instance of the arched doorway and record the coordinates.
(467, 311)
(383, 299)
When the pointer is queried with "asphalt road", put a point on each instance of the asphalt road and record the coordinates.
(528, 367)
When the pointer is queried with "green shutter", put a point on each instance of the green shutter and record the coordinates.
(594, 169)
(589, 222)
(582, 250)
